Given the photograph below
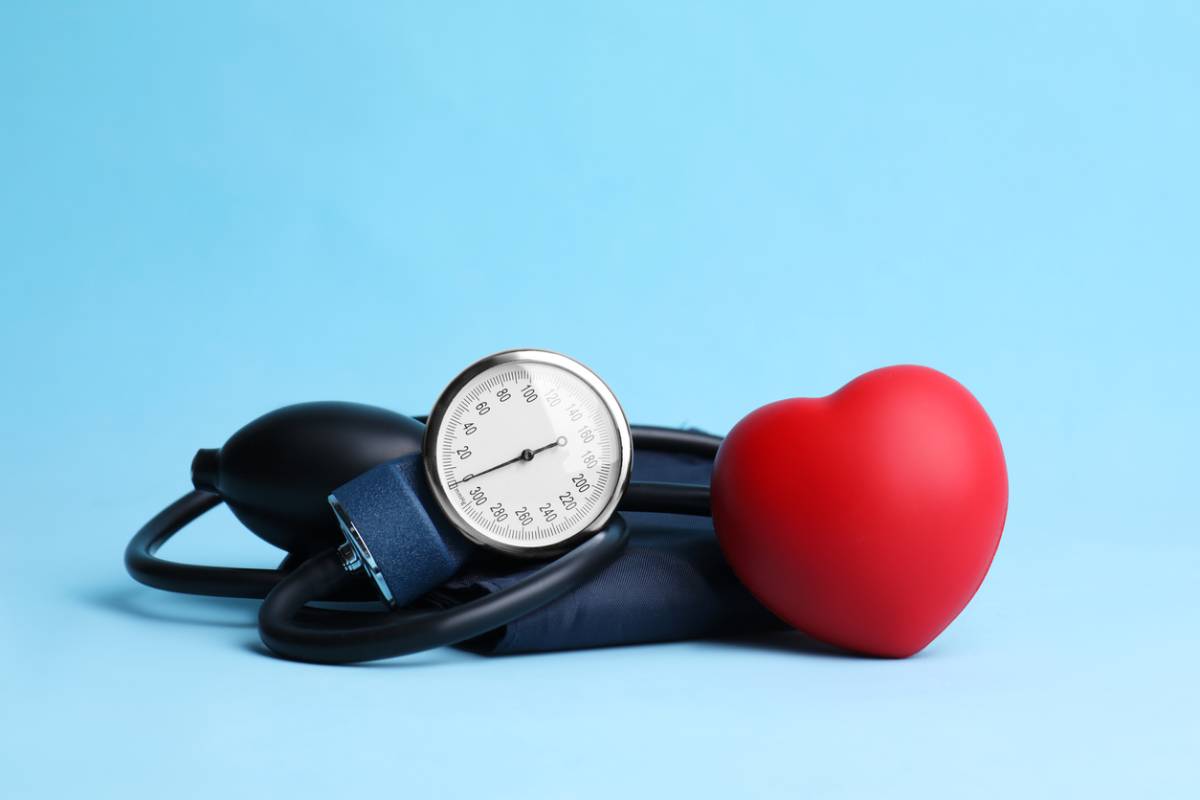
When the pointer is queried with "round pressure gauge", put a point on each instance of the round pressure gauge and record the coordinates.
(527, 451)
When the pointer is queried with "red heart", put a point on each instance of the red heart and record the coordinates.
(868, 518)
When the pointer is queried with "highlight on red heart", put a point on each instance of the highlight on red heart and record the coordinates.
(867, 518)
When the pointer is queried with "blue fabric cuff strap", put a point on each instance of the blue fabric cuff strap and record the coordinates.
(415, 547)
(670, 583)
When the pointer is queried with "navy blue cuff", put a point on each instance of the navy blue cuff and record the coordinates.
(671, 583)
(392, 520)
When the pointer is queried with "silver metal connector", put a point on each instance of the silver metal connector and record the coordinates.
(350, 559)
(356, 555)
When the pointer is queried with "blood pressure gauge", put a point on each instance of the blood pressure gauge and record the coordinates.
(527, 451)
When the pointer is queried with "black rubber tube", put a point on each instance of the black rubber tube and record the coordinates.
(286, 631)
(667, 498)
(675, 440)
(256, 583)
(147, 568)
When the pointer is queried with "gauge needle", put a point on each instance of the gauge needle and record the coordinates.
(524, 455)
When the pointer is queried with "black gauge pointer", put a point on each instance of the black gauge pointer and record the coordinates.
(524, 455)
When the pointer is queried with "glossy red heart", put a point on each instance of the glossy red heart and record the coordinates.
(868, 518)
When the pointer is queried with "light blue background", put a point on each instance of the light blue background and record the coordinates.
(209, 212)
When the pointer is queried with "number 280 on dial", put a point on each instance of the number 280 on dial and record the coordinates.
(526, 451)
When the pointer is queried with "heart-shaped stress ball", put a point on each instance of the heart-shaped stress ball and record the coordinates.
(867, 518)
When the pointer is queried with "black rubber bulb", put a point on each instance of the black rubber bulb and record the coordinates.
(276, 472)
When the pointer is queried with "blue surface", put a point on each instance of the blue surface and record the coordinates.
(209, 212)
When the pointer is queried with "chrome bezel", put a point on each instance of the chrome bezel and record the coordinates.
(592, 380)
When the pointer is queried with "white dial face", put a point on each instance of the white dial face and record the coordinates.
(528, 454)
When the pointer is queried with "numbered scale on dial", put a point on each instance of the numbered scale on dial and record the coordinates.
(526, 451)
